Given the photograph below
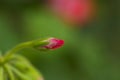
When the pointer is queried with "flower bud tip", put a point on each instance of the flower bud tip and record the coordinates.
(54, 43)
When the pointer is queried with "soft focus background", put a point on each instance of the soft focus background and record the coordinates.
(91, 52)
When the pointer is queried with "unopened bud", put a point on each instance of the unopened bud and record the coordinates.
(52, 43)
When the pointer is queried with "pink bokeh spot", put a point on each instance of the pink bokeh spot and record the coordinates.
(78, 11)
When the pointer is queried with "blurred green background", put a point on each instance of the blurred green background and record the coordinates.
(90, 53)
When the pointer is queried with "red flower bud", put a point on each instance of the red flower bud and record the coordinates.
(74, 11)
(54, 43)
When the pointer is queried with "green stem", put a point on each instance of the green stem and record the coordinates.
(16, 49)
(31, 44)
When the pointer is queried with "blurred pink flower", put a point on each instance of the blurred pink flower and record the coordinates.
(74, 11)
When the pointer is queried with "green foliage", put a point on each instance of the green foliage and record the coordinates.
(18, 68)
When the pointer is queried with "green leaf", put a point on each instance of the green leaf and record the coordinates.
(1, 73)
(9, 72)
(18, 73)
(25, 67)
